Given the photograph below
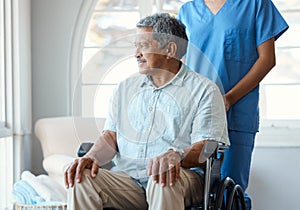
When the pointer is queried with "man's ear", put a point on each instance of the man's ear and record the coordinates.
(171, 49)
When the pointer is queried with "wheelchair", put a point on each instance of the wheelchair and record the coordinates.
(218, 194)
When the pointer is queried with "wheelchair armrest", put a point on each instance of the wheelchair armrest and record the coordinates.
(84, 147)
(208, 151)
(212, 153)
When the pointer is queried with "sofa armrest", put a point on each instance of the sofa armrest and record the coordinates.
(63, 135)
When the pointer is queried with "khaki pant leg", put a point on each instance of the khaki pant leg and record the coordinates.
(107, 189)
(185, 192)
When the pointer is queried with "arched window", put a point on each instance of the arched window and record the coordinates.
(107, 58)
(108, 55)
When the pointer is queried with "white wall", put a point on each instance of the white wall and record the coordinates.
(52, 23)
(274, 180)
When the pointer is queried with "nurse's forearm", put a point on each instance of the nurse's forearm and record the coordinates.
(263, 65)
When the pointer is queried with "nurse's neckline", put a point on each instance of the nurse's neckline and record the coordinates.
(214, 5)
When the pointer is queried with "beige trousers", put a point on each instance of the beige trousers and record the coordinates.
(118, 190)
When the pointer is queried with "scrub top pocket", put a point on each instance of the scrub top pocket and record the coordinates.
(239, 46)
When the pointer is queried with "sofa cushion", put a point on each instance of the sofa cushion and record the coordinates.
(55, 165)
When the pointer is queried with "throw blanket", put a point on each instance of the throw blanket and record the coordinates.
(25, 193)
(38, 190)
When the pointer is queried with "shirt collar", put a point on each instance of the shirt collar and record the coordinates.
(177, 79)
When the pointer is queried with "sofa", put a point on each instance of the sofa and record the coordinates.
(60, 138)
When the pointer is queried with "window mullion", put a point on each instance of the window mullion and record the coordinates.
(7, 64)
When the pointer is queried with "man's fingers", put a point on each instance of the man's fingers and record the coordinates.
(66, 178)
(155, 171)
(177, 172)
(76, 169)
(94, 170)
(149, 169)
(172, 174)
(163, 168)
(70, 174)
(83, 164)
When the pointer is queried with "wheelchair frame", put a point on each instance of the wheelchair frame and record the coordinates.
(218, 194)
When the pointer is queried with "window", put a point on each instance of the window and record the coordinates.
(281, 87)
(107, 49)
(280, 114)
(5, 70)
(107, 59)
(108, 55)
(6, 143)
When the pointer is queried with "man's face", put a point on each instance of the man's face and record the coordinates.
(149, 56)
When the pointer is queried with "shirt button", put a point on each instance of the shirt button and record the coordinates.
(141, 149)
(150, 109)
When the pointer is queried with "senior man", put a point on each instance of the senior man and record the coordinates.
(157, 125)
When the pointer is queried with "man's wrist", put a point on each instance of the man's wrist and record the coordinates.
(179, 151)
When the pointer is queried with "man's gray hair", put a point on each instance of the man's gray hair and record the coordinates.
(166, 29)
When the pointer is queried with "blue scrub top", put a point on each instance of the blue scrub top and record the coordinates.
(223, 48)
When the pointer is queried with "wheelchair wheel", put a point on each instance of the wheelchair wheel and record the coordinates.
(226, 186)
(235, 198)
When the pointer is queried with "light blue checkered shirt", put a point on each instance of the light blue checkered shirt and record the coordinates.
(149, 120)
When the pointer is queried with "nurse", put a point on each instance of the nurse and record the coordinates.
(232, 43)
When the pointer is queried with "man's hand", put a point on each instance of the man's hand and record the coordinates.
(76, 168)
(163, 165)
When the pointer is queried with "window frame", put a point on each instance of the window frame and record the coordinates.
(6, 69)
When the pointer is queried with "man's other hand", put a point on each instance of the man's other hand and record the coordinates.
(167, 164)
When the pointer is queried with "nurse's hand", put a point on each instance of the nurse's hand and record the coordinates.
(227, 102)
(165, 166)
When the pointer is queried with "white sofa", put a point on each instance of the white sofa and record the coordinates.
(60, 138)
